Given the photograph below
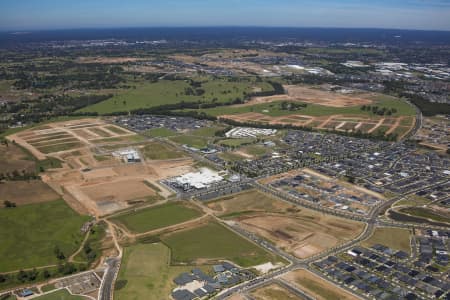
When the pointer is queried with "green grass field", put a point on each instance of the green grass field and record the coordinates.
(256, 150)
(30, 233)
(395, 238)
(191, 141)
(214, 242)
(145, 273)
(60, 295)
(206, 131)
(160, 132)
(159, 151)
(163, 92)
(157, 217)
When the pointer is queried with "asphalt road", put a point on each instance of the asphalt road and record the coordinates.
(106, 288)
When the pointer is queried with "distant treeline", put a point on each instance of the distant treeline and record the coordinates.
(429, 108)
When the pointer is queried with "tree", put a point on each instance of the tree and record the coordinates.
(9, 204)
(59, 254)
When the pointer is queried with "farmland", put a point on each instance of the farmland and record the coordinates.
(212, 242)
(157, 217)
(163, 92)
(43, 226)
(13, 158)
(26, 192)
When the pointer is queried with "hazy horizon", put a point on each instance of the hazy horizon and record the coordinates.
(29, 15)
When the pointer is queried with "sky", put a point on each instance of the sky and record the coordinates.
(65, 14)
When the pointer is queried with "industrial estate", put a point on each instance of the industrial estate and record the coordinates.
(236, 170)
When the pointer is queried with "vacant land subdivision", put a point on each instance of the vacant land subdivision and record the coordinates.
(395, 238)
(211, 242)
(273, 292)
(92, 178)
(317, 287)
(323, 109)
(300, 231)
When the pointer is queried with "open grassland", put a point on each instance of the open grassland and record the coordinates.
(160, 151)
(300, 231)
(206, 131)
(273, 292)
(60, 295)
(191, 141)
(255, 150)
(212, 242)
(317, 287)
(26, 192)
(163, 92)
(395, 238)
(146, 273)
(30, 233)
(157, 217)
(160, 132)
(426, 213)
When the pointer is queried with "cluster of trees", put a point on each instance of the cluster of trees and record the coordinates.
(194, 92)
(92, 77)
(16, 176)
(47, 107)
(90, 253)
(58, 253)
(292, 106)
(428, 108)
(9, 204)
(381, 111)
(221, 133)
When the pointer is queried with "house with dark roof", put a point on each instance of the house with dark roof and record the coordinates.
(183, 295)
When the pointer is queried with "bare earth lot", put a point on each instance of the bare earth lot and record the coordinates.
(273, 292)
(316, 96)
(118, 191)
